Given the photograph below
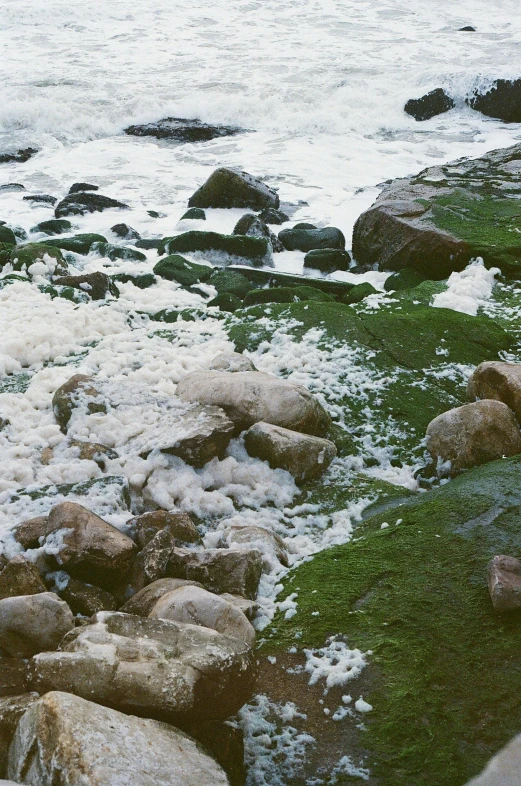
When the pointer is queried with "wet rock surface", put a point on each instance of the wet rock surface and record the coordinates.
(182, 130)
(228, 187)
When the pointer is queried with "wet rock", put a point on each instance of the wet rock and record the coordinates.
(359, 293)
(256, 297)
(253, 249)
(86, 599)
(93, 550)
(114, 253)
(497, 380)
(434, 103)
(182, 129)
(274, 278)
(179, 525)
(402, 280)
(249, 397)
(225, 302)
(55, 226)
(82, 187)
(20, 157)
(219, 570)
(327, 260)
(504, 582)
(79, 244)
(305, 456)
(229, 187)
(80, 742)
(11, 711)
(81, 202)
(144, 281)
(194, 214)
(229, 282)
(225, 742)
(467, 29)
(176, 268)
(502, 101)
(12, 187)
(125, 232)
(76, 390)
(199, 607)
(311, 239)
(271, 216)
(15, 676)
(254, 226)
(7, 236)
(148, 243)
(20, 577)
(22, 257)
(152, 561)
(473, 434)
(231, 361)
(28, 533)
(256, 537)
(145, 599)
(33, 623)
(169, 670)
(45, 199)
(93, 451)
(96, 285)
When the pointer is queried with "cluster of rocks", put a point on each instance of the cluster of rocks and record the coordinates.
(502, 101)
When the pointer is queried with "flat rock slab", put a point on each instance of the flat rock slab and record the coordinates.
(63, 738)
(181, 129)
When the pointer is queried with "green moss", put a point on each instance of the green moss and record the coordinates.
(79, 244)
(252, 248)
(359, 293)
(285, 295)
(26, 255)
(177, 268)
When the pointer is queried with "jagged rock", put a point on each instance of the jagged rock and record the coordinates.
(305, 456)
(78, 244)
(504, 582)
(179, 525)
(249, 397)
(20, 157)
(327, 260)
(194, 214)
(254, 226)
(81, 202)
(158, 668)
(11, 710)
(182, 129)
(496, 380)
(229, 187)
(76, 390)
(152, 561)
(20, 577)
(229, 282)
(144, 601)
(125, 232)
(502, 100)
(254, 249)
(98, 285)
(86, 599)
(271, 216)
(503, 769)
(45, 199)
(256, 537)
(55, 226)
(66, 739)
(82, 187)
(25, 256)
(434, 103)
(15, 676)
(176, 268)
(33, 623)
(311, 239)
(199, 607)
(231, 361)
(473, 434)
(359, 293)
(219, 570)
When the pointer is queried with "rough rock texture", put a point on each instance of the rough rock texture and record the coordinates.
(25, 256)
(65, 739)
(228, 187)
(144, 601)
(359, 293)
(256, 537)
(15, 676)
(502, 101)
(503, 769)
(11, 710)
(271, 216)
(152, 562)
(246, 605)
(28, 533)
(179, 525)
(434, 103)
(182, 129)
(219, 570)
(310, 239)
(199, 607)
(249, 397)
(20, 577)
(496, 380)
(33, 623)
(229, 282)
(231, 361)
(256, 250)
(473, 434)
(69, 395)
(81, 202)
(305, 456)
(504, 582)
(254, 226)
(158, 668)
(86, 599)
(78, 244)
(98, 285)
(437, 221)
(285, 295)
(327, 260)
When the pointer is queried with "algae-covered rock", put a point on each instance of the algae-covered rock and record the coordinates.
(81, 202)
(97, 285)
(254, 226)
(253, 249)
(327, 260)
(229, 282)
(285, 295)
(182, 129)
(309, 239)
(269, 278)
(125, 232)
(22, 257)
(176, 268)
(194, 214)
(79, 244)
(7, 236)
(55, 226)
(229, 187)
(225, 301)
(359, 293)
(402, 280)
(117, 252)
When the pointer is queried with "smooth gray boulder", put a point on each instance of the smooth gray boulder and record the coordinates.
(231, 361)
(33, 623)
(495, 379)
(145, 599)
(504, 769)
(63, 739)
(305, 456)
(230, 187)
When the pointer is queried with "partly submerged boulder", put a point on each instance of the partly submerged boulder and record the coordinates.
(502, 100)
(434, 103)
(79, 244)
(303, 455)
(228, 187)
(254, 226)
(254, 250)
(97, 285)
(311, 239)
(182, 129)
(327, 260)
(81, 202)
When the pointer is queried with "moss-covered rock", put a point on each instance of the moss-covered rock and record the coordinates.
(254, 249)
(225, 301)
(177, 268)
(55, 226)
(79, 244)
(359, 293)
(268, 278)
(194, 214)
(142, 281)
(230, 282)
(303, 239)
(327, 260)
(24, 256)
(286, 295)
(117, 252)
(7, 236)
(403, 279)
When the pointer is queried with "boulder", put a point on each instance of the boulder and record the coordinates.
(199, 607)
(285, 295)
(7, 236)
(33, 623)
(86, 599)
(93, 451)
(497, 380)
(271, 278)
(228, 187)
(125, 232)
(194, 214)
(141, 281)
(225, 302)
(55, 226)
(473, 434)
(310, 239)
(158, 668)
(28, 533)
(246, 605)
(305, 456)
(179, 525)
(254, 249)
(249, 397)
(15, 676)
(327, 260)
(82, 187)
(98, 285)
(76, 390)
(81, 202)
(182, 129)
(272, 216)
(219, 570)
(65, 739)
(434, 103)
(20, 157)
(504, 582)
(20, 577)
(112, 252)
(177, 268)
(92, 550)
(44, 199)
(231, 361)
(78, 244)
(229, 282)
(12, 708)
(503, 769)
(253, 536)
(152, 561)
(25, 256)
(402, 280)
(144, 601)
(359, 293)
(502, 100)
(254, 226)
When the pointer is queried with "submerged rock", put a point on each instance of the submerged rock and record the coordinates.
(502, 101)
(434, 103)
(229, 187)
(182, 130)
(310, 239)
(71, 394)
(504, 583)
(33, 623)
(81, 202)
(305, 456)
(20, 157)
(497, 380)
(79, 244)
(176, 268)
(45, 199)
(255, 250)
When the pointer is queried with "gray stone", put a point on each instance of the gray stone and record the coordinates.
(152, 562)
(305, 456)
(503, 769)
(228, 187)
(86, 599)
(310, 239)
(219, 570)
(231, 361)
(256, 537)
(11, 710)
(20, 577)
(253, 225)
(33, 623)
(144, 601)
(497, 380)
(504, 582)
(179, 525)
(77, 389)
(247, 606)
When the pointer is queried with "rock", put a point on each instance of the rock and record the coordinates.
(78, 742)
(305, 456)
(231, 361)
(45, 199)
(254, 226)
(152, 561)
(114, 253)
(434, 103)
(199, 607)
(143, 281)
(359, 293)
(15, 676)
(125, 232)
(327, 260)
(271, 216)
(33, 623)
(148, 243)
(78, 244)
(256, 537)
(162, 669)
(504, 583)
(497, 380)
(194, 214)
(270, 278)
(97, 285)
(20, 577)
(93, 550)
(86, 599)
(229, 187)
(22, 257)
(81, 202)
(437, 221)
(29, 532)
(182, 130)
(402, 280)
(144, 601)
(93, 451)
(249, 397)
(71, 394)
(11, 711)
(55, 226)
(467, 29)
(179, 525)
(503, 769)
(225, 302)
(285, 295)
(473, 434)
(20, 157)
(502, 101)
(247, 606)
(82, 187)
(254, 249)
(7, 236)
(12, 187)
(177, 268)
(310, 239)
(219, 570)
(229, 282)
(225, 742)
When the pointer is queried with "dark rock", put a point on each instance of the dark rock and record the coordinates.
(180, 526)
(69, 395)
(45, 199)
(219, 570)
(168, 315)
(97, 285)
(125, 232)
(254, 226)
(269, 278)
(20, 577)
(28, 533)
(55, 226)
(177, 268)
(82, 187)
(154, 214)
(193, 214)
(7, 236)
(182, 130)
(228, 187)
(226, 744)
(254, 249)
(86, 599)
(148, 243)
(327, 260)
(434, 103)
(272, 216)
(467, 29)
(504, 583)
(310, 239)
(12, 187)
(79, 244)
(225, 301)
(359, 293)
(143, 281)
(502, 101)
(285, 295)
(81, 202)
(15, 676)
(19, 157)
(304, 225)
(117, 252)
(229, 282)
(11, 711)
(402, 280)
